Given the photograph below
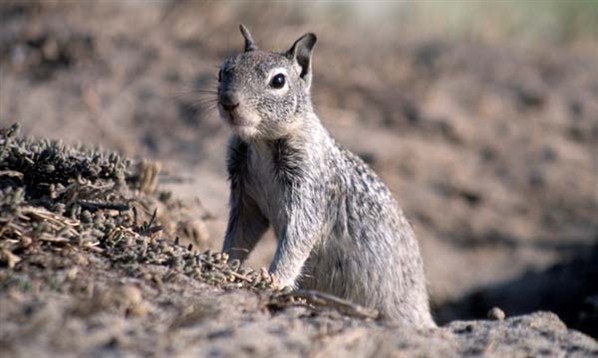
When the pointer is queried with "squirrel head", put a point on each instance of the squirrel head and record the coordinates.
(264, 94)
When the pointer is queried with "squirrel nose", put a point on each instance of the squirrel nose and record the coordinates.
(228, 100)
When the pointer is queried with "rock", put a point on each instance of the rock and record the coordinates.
(496, 314)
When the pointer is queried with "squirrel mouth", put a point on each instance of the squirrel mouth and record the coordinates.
(240, 123)
(235, 120)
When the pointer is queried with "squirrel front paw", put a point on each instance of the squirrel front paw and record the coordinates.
(280, 282)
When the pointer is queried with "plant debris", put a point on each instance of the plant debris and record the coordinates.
(59, 198)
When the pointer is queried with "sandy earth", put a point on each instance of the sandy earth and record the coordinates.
(488, 146)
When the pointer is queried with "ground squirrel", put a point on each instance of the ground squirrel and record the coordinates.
(338, 227)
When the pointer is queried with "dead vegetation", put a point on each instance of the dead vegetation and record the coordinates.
(65, 199)
(61, 200)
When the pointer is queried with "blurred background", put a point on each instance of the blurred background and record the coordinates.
(481, 116)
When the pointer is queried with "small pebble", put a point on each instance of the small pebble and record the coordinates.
(496, 314)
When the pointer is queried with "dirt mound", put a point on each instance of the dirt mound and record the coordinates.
(75, 256)
(60, 198)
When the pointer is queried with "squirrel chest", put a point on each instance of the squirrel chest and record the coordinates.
(264, 185)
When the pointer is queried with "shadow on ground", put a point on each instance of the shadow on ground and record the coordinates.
(568, 289)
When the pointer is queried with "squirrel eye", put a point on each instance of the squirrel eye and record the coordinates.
(219, 75)
(277, 81)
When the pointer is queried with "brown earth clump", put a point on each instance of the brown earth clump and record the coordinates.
(83, 274)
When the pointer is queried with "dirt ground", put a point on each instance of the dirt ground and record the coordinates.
(488, 143)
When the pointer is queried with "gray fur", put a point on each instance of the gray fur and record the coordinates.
(338, 227)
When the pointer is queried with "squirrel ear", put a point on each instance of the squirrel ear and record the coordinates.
(249, 43)
(301, 52)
